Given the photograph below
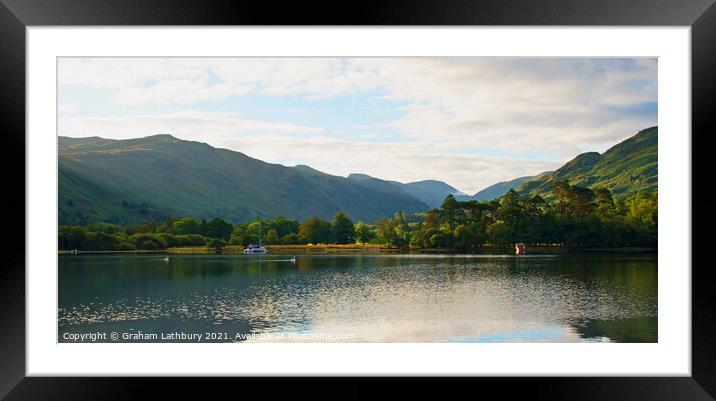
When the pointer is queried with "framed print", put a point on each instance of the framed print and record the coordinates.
(404, 190)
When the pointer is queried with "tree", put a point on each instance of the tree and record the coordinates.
(474, 210)
(362, 233)
(290, 239)
(562, 192)
(241, 235)
(533, 207)
(511, 213)
(464, 237)
(441, 239)
(385, 232)
(285, 226)
(148, 241)
(342, 229)
(499, 233)
(399, 221)
(253, 229)
(169, 239)
(215, 243)
(98, 241)
(186, 225)
(137, 229)
(605, 203)
(416, 240)
(190, 240)
(578, 216)
(510, 209)
(643, 218)
(71, 237)
(432, 219)
(582, 201)
(642, 209)
(315, 231)
(103, 227)
(427, 237)
(449, 209)
(272, 237)
(201, 229)
(219, 228)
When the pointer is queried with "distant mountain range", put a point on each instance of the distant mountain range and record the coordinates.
(125, 181)
(496, 190)
(430, 192)
(151, 178)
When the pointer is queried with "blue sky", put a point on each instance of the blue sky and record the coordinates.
(470, 122)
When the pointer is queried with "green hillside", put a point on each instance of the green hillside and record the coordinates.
(133, 180)
(126, 181)
(625, 169)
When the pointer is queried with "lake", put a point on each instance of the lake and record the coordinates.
(358, 298)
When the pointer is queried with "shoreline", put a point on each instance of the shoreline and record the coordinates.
(370, 249)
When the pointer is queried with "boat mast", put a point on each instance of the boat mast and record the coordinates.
(258, 215)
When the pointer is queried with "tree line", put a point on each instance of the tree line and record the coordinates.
(215, 233)
(574, 216)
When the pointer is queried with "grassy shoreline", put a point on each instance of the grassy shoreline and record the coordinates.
(371, 249)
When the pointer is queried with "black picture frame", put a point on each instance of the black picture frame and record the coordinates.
(16, 15)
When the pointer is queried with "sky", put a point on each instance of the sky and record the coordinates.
(467, 121)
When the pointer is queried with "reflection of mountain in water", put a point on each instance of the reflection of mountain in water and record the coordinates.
(629, 330)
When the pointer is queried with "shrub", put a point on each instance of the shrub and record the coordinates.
(215, 243)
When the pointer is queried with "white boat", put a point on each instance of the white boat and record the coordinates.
(257, 247)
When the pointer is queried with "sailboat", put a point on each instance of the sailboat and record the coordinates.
(257, 247)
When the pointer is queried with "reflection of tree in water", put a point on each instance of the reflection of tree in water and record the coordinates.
(629, 330)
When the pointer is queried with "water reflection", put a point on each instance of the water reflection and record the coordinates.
(367, 298)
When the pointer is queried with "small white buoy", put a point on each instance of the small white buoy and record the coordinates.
(166, 259)
(293, 259)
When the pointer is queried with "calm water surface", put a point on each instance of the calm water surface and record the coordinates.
(359, 298)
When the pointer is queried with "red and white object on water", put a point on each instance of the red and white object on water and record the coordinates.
(519, 249)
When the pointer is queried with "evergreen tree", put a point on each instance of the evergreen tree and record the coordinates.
(342, 229)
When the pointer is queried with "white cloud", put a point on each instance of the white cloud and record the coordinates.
(193, 125)
(68, 108)
(505, 105)
(122, 73)
(181, 91)
(563, 106)
(391, 161)
(292, 144)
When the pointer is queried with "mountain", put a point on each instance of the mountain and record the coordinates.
(626, 168)
(495, 191)
(151, 178)
(309, 170)
(133, 180)
(430, 192)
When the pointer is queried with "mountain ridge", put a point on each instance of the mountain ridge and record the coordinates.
(430, 192)
(494, 191)
(626, 168)
(150, 178)
(158, 176)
